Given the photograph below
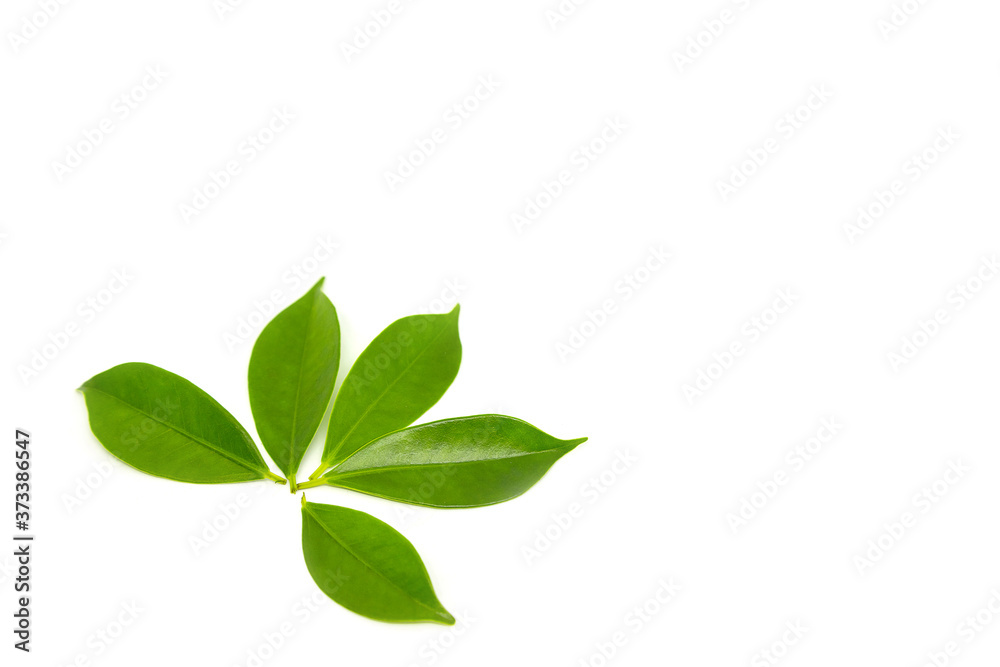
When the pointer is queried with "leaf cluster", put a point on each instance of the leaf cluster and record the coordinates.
(163, 425)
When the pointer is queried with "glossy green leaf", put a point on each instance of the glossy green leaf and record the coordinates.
(368, 567)
(399, 376)
(465, 462)
(163, 425)
(292, 372)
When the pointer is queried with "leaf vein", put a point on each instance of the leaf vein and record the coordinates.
(204, 443)
(367, 471)
(385, 391)
(368, 565)
(298, 383)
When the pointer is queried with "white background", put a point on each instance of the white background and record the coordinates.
(126, 538)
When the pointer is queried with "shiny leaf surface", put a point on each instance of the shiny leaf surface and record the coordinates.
(465, 462)
(398, 377)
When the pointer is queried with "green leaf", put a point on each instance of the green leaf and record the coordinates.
(399, 376)
(163, 425)
(368, 567)
(465, 462)
(292, 372)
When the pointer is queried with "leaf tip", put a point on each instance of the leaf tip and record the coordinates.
(444, 617)
(319, 283)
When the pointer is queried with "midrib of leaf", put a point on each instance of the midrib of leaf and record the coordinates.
(368, 471)
(162, 434)
(224, 454)
(368, 565)
(385, 391)
(298, 383)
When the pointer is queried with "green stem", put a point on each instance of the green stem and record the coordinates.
(312, 483)
(292, 488)
(319, 471)
(277, 480)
